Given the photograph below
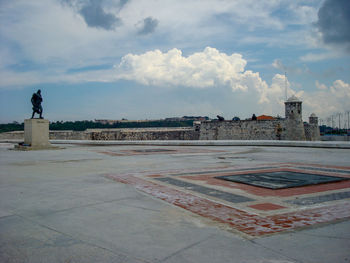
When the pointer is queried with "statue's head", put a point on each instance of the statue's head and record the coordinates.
(39, 91)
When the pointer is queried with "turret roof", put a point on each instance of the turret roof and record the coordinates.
(293, 98)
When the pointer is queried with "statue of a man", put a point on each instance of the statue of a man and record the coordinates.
(36, 101)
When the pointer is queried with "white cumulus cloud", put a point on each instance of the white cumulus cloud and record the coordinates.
(272, 97)
(206, 69)
(328, 100)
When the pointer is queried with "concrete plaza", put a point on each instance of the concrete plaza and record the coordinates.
(164, 203)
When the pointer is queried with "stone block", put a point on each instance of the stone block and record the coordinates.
(36, 133)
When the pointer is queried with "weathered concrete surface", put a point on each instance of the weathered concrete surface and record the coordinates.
(58, 206)
(305, 144)
(36, 132)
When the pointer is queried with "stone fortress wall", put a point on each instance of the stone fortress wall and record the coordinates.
(140, 134)
(115, 134)
(243, 130)
(291, 128)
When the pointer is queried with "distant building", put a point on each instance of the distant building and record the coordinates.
(188, 118)
(265, 117)
(110, 122)
(196, 118)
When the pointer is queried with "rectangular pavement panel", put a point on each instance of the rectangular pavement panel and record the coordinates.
(233, 198)
(249, 223)
(320, 198)
(281, 179)
(267, 206)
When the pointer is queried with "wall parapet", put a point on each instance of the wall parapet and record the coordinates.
(243, 130)
(178, 133)
(134, 134)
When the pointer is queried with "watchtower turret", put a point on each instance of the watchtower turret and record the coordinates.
(294, 121)
(293, 109)
(313, 119)
(312, 130)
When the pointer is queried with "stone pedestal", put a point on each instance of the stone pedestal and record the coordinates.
(36, 133)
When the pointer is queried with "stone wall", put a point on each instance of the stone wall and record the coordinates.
(295, 130)
(69, 135)
(115, 134)
(243, 130)
(145, 134)
(53, 135)
(279, 129)
(312, 132)
(15, 135)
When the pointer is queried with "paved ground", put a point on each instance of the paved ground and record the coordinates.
(165, 204)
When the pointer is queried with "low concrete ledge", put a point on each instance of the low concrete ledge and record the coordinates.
(313, 144)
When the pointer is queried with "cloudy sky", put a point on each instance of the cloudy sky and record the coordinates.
(148, 59)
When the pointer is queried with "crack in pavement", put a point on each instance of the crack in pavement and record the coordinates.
(275, 251)
(81, 206)
(117, 253)
(185, 248)
(325, 236)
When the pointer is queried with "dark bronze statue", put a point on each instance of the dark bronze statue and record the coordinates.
(36, 101)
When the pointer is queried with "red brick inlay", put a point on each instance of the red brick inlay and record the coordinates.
(245, 222)
(267, 206)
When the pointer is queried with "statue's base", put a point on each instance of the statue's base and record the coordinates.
(36, 132)
(36, 135)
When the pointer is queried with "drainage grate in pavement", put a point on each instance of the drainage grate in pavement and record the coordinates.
(320, 199)
(233, 198)
(281, 179)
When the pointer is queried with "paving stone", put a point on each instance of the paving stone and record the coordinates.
(326, 169)
(233, 198)
(320, 199)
